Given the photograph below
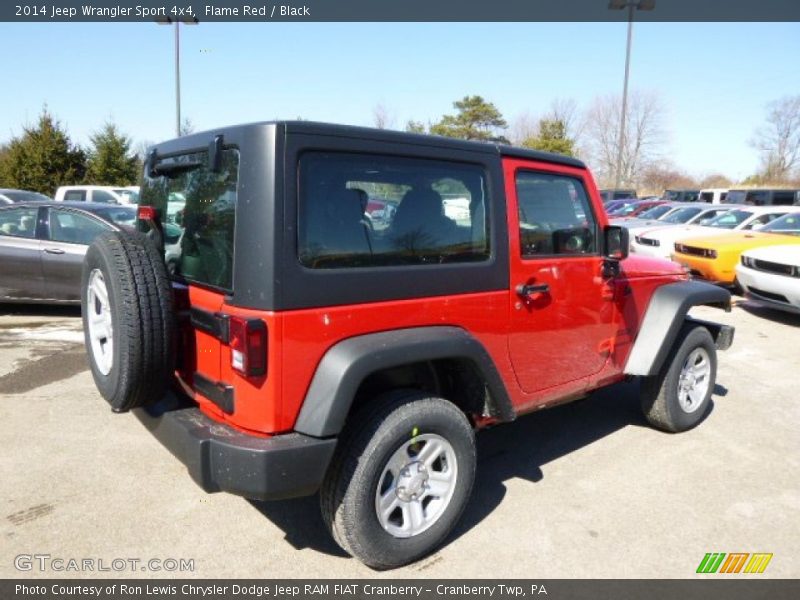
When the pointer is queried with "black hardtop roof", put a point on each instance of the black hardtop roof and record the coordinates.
(386, 135)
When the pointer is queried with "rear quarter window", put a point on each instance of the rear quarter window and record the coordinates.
(360, 211)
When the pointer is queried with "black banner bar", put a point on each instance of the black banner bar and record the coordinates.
(741, 587)
(398, 10)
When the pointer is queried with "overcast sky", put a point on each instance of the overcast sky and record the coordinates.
(714, 79)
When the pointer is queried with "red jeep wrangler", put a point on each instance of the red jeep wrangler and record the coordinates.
(301, 346)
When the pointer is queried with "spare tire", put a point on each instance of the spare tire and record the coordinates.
(128, 319)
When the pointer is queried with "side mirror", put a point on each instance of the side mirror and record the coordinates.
(616, 241)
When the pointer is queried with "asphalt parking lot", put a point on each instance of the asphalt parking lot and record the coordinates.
(584, 490)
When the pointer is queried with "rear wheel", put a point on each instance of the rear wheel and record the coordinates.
(679, 397)
(400, 479)
(128, 321)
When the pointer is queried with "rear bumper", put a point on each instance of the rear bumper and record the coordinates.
(220, 458)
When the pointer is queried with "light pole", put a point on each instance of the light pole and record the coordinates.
(169, 21)
(630, 5)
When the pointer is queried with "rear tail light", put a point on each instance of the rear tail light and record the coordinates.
(147, 213)
(248, 342)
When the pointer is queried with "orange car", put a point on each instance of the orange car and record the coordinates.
(714, 258)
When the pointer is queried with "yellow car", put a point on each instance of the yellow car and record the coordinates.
(714, 258)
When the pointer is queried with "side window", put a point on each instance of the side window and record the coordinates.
(74, 228)
(757, 198)
(783, 198)
(103, 196)
(555, 215)
(75, 196)
(364, 211)
(19, 222)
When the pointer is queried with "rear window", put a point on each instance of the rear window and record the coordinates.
(200, 204)
(75, 196)
(358, 211)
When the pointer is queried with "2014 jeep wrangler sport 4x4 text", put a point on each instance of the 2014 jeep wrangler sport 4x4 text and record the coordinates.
(348, 306)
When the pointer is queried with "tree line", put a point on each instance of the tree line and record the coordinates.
(593, 135)
(43, 157)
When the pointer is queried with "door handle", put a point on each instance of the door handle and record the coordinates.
(531, 289)
(54, 250)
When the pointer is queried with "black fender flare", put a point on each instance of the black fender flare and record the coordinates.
(665, 315)
(347, 363)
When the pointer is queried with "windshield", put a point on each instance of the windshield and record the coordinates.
(787, 225)
(682, 215)
(656, 212)
(24, 196)
(730, 219)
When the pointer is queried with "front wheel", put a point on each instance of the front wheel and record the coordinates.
(679, 397)
(400, 479)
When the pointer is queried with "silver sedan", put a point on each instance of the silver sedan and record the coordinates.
(42, 246)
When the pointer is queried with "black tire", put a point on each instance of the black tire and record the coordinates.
(737, 287)
(660, 393)
(142, 318)
(371, 437)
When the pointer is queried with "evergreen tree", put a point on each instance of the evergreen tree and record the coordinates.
(42, 158)
(3, 157)
(477, 119)
(552, 137)
(111, 161)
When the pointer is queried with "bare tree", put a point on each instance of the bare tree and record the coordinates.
(523, 127)
(381, 117)
(778, 140)
(643, 142)
(566, 111)
(656, 178)
(715, 180)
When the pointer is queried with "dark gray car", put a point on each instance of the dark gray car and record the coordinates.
(10, 196)
(42, 245)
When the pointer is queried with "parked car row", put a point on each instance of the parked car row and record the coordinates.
(754, 196)
(104, 194)
(753, 249)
